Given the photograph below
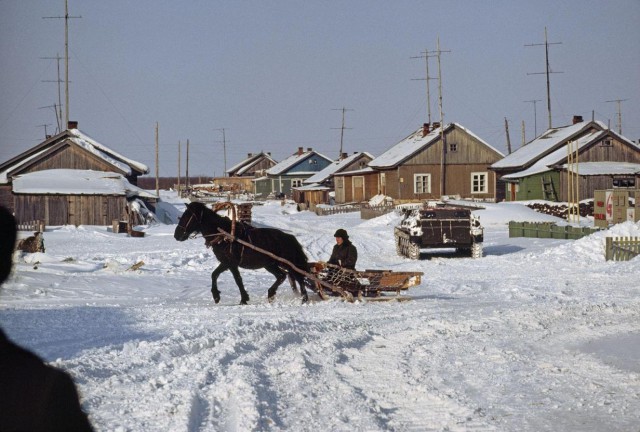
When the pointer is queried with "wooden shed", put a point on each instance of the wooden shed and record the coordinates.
(59, 156)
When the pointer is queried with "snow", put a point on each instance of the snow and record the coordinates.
(545, 143)
(76, 182)
(538, 335)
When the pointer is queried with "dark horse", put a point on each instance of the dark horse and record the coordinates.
(198, 218)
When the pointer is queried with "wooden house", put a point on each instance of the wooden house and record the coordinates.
(432, 162)
(49, 197)
(291, 172)
(239, 178)
(316, 189)
(602, 158)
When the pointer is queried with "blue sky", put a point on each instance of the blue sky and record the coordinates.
(273, 73)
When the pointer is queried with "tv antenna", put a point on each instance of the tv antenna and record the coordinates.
(548, 70)
(342, 128)
(58, 115)
(66, 56)
(535, 116)
(425, 55)
(619, 102)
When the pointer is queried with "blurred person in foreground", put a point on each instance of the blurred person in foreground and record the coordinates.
(33, 395)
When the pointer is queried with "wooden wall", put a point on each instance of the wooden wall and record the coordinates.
(70, 209)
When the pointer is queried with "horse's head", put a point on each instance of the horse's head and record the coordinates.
(190, 221)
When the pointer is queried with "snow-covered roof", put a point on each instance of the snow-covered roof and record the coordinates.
(114, 158)
(335, 167)
(80, 139)
(605, 168)
(545, 143)
(365, 170)
(242, 167)
(76, 182)
(415, 143)
(545, 163)
(292, 161)
(311, 187)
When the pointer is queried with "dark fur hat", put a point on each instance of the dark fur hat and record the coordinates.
(341, 233)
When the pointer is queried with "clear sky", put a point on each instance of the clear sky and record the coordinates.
(274, 74)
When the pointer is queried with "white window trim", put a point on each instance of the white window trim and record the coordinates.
(415, 179)
(486, 182)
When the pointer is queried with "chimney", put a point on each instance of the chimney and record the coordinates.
(300, 150)
(425, 129)
(269, 154)
(577, 119)
(249, 155)
(72, 124)
(436, 125)
(343, 156)
(309, 149)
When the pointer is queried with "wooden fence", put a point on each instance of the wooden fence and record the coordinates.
(370, 212)
(326, 211)
(548, 230)
(621, 248)
(34, 226)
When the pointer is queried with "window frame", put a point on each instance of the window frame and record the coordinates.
(483, 179)
(420, 176)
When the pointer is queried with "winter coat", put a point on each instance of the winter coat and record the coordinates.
(35, 396)
(344, 255)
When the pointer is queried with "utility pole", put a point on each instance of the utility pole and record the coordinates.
(343, 109)
(506, 130)
(58, 115)
(619, 101)
(224, 149)
(66, 56)
(157, 163)
(535, 117)
(548, 70)
(186, 181)
(425, 56)
(444, 145)
(524, 136)
(179, 154)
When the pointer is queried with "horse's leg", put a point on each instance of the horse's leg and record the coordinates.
(280, 277)
(303, 289)
(214, 281)
(244, 297)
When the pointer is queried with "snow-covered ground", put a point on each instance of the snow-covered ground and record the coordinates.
(539, 335)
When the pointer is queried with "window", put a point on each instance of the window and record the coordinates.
(479, 183)
(606, 142)
(453, 147)
(339, 182)
(296, 183)
(624, 182)
(313, 161)
(422, 183)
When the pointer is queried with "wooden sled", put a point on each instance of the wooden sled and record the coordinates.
(370, 285)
